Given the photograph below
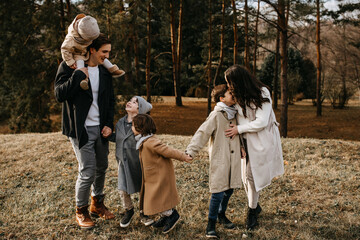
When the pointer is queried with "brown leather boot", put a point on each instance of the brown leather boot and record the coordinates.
(83, 218)
(98, 209)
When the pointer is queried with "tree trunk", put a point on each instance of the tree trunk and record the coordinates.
(148, 53)
(136, 47)
(108, 18)
(276, 71)
(235, 31)
(210, 59)
(284, 63)
(221, 44)
(174, 53)
(178, 57)
(255, 40)
(318, 75)
(68, 10)
(246, 23)
(62, 18)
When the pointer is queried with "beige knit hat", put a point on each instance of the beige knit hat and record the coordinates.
(88, 28)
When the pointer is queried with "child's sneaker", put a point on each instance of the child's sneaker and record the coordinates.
(126, 219)
(145, 219)
(116, 72)
(84, 84)
(160, 222)
(171, 221)
(225, 221)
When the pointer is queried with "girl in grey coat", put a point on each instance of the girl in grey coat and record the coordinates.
(129, 168)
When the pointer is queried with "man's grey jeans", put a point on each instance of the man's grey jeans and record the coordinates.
(93, 162)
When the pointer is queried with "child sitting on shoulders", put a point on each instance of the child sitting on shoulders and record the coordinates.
(158, 189)
(81, 32)
(224, 154)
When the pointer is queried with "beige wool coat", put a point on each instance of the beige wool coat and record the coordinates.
(74, 46)
(158, 189)
(224, 153)
(263, 142)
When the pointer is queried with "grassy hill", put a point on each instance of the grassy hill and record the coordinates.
(317, 198)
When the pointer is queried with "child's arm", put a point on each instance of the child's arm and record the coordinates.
(169, 152)
(66, 52)
(202, 135)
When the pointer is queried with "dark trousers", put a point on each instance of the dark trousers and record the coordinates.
(219, 202)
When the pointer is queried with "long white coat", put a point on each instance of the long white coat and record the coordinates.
(263, 141)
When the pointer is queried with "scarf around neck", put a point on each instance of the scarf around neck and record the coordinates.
(140, 139)
(230, 111)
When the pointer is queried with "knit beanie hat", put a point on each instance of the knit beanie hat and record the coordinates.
(144, 106)
(88, 28)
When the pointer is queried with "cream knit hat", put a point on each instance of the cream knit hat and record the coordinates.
(88, 28)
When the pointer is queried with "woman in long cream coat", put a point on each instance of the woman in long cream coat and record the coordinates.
(259, 128)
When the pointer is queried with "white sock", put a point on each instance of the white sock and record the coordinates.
(80, 64)
(107, 64)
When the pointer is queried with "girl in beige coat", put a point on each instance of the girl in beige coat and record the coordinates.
(158, 192)
(258, 126)
(224, 154)
(81, 33)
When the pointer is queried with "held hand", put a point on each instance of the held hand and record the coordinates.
(188, 158)
(232, 131)
(106, 132)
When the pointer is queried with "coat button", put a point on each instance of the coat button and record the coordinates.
(232, 151)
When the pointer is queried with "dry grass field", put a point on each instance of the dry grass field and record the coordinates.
(317, 198)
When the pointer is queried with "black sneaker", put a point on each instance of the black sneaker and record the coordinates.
(160, 222)
(126, 219)
(171, 221)
(225, 221)
(210, 229)
(252, 216)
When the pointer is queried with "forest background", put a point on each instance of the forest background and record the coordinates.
(181, 48)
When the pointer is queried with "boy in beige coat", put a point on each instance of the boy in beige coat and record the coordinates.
(225, 157)
(158, 192)
(81, 33)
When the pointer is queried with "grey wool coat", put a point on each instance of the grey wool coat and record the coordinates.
(129, 167)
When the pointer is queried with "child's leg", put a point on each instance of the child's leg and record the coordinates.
(113, 69)
(215, 202)
(84, 84)
(80, 64)
(128, 206)
(126, 200)
(225, 200)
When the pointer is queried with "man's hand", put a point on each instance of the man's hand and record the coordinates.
(231, 131)
(243, 153)
(106, 132)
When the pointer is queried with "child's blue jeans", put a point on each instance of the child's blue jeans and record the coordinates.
(219, 202)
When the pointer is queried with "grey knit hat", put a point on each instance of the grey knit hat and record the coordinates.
(88, 28)
(144, 106)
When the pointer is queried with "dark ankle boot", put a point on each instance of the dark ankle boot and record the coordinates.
(225, 221)
(210, 229)
(252, 216)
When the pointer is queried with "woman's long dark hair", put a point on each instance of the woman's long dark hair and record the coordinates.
(245, 88)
